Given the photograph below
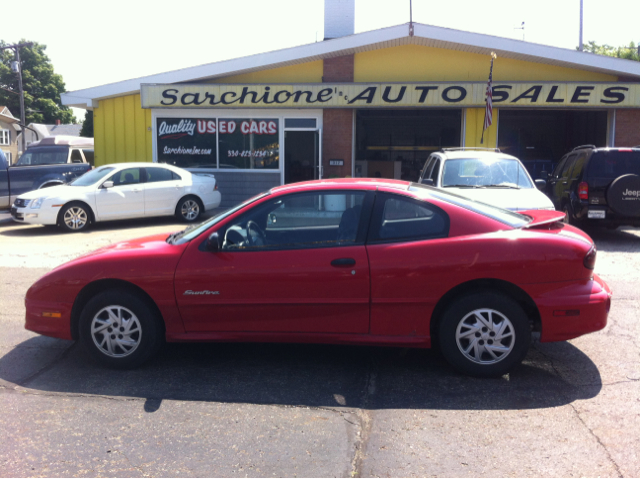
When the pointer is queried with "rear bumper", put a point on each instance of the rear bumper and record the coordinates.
(574, 310)
(603, 215)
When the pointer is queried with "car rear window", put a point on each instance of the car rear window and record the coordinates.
(509, 218)
(614, 163)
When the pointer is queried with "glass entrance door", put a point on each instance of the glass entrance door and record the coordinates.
(301, 156)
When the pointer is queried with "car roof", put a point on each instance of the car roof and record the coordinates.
(347, 183)
(473, 153)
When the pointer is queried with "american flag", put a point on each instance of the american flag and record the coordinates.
(488, 112)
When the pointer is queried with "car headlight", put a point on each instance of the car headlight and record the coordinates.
(35, 204)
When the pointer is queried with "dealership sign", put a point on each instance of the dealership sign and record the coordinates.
(368, 95)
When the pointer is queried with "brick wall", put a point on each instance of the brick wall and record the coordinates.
(338, 69)
(627, 127)
(337, 132)
(336, 141)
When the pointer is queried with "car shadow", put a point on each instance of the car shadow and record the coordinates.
(28, 230)
(552, 375)
(618, 240)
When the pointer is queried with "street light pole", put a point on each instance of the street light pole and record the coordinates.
(581, 47)
(17, 68)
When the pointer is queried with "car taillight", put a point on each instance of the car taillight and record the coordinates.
(583, 191)
(590, 258)
(215, 187)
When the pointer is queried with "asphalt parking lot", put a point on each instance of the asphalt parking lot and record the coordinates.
(572, 409)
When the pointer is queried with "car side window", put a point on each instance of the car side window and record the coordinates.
(578, 165)
(567, 166)
(427, 167)
(76, 156)
(435, 171)
(130, 176)
(398, 218)
(299, 221)
(155, 175)
(559, 167)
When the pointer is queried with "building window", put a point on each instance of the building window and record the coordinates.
(396, 143)
(5, 137)
(226, 143)
(249, 144)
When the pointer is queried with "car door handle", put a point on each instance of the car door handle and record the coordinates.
(136, 190)
(343, 262)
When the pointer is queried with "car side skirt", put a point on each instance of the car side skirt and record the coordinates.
(310, 338)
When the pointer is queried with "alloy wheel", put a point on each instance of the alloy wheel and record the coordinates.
(190, 210)
(116, 331)
(75, 218)
(485, 336)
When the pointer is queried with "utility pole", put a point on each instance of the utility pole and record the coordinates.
(580, 46)
(16, 67)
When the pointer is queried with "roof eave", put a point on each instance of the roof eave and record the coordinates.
(386, 37)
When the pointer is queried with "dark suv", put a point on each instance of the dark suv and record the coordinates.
(598, 186)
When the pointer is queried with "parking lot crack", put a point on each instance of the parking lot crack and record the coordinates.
(365, 419)
(63, 354)
(595, 436)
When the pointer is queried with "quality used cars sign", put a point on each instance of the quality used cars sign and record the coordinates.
(371, 95)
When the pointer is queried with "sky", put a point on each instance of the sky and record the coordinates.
(93, 43)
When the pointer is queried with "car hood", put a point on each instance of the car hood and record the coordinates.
(61, 191)
(507, 198)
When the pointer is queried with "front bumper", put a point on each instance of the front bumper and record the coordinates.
(574, 310)
(39, 216)
(41, 318)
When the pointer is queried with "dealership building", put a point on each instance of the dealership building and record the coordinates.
(369, 104)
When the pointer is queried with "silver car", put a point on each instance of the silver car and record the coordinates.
(485, 175)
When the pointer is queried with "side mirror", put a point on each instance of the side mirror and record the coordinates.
(107, 184)
(427, 181)
(541, 184)
(213, 242)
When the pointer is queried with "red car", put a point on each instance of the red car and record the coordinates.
(354, 261)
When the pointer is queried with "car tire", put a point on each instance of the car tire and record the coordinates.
(189, 209)
(619, 199)
(484, 334)
(74, 217)
(120, 330)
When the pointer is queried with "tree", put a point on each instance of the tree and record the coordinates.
(628, 53)
(87, 125)
(42, 86)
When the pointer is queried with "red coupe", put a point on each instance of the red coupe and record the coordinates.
(354, 261)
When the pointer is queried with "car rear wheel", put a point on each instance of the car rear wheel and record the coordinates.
(484, 334)
(189, 209)
(120, 330)
(74, 217)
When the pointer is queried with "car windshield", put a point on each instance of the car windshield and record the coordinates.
(506, 217)
(194, 231)
(613, 163)
(93, 176)
(485, 173)
(44, 156)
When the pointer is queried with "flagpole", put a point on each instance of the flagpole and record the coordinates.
(488, 111)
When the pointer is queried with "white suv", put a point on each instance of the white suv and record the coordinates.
(485, 175)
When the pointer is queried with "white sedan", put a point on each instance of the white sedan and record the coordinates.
(120, 191)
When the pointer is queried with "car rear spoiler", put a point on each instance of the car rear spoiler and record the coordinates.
(542, 217)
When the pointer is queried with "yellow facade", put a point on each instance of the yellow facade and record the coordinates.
(415, 63)
(310, 72)
(123, 129)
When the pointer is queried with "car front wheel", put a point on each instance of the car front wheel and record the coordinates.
(74, 217)
(120, 330)
(484, 334)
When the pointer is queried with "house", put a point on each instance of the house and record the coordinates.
(9, 130)
(38, 131)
